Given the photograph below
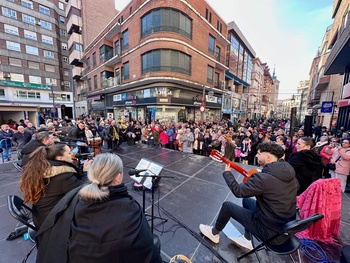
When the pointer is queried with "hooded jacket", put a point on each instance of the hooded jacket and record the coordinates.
(275, 189)
(308, 167)
(28, 149)
(59, 180)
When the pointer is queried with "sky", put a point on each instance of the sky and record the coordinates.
(284, 34)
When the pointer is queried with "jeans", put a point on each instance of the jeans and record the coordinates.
(243, 215)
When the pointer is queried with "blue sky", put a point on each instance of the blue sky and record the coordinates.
(285, 33)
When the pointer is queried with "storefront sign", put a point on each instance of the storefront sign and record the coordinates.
(133, 102)
(211, 99)
(163, 100)
(196, 103)
(117, 97)
(163, 92)
(24, 85)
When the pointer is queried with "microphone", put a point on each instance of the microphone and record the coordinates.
(136, 172)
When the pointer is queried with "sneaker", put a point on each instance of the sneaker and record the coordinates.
(207, 232)
(242, 242)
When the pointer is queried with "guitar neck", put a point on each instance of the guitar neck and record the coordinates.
(235, 166)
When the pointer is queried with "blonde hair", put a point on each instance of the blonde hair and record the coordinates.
(102, 171)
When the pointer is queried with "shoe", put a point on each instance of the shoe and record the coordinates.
(207, 232)
(242, 242)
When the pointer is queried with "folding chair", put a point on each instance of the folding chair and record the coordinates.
(292, 244)
(22, 213)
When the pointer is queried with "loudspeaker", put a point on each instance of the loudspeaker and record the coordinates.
(308, 125)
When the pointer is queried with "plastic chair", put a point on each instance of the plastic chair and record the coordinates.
(292, 244)
(22, 213)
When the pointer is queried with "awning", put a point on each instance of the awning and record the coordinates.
(343, 103)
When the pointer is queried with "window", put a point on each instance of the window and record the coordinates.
(28, 19)
(66, 72)
(210, 73)
(117, 47)
(2, 93)
(65, 59)
(88, 63)
(45, 24)
(79, 47)
(211, 44)
(126, 71)
(15, 62)
(26, 3)
(216, 80)
(61, 5)
(48, 54)
(106, 53)
(125, 40)
(47, 40)
(32, 50)
(166, 20)
(17, 77)
(49, 68)
(62, 19)
(13, 46)
(33, 65)
(166, 60)
(30, 35)
(23, 94)
(9, 12)
(35, 79)
(95, 82)
(218, 54)
(45, 10)
(206, 13)
(89, 84)
(11, 30)
(94, 59)
(234, 45)
(63, 32)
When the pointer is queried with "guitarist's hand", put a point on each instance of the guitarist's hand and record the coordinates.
(228, 168)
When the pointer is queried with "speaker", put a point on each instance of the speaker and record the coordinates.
(308, 125)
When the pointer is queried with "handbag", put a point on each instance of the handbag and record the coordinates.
(331, 166)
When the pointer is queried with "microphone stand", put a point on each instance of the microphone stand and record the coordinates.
(154, 177)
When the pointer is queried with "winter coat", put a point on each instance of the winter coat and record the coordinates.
(308, 167)
(28, 149)
(59, 180)
(275, 189)
(112, 230)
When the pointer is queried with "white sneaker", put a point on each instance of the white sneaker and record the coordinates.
(207, 231)
(242, 242)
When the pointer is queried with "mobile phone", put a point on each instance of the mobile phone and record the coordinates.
(338, 144)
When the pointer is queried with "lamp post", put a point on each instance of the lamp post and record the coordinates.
(53, 102)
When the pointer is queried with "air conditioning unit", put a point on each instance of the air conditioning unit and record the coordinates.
(38, 23)
(64, 47)
(80, 29)
(222, 84)
(7, 76)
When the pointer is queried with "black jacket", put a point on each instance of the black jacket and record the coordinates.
(28, 149)
(113, 230)
(62, 178)
(308, 167)
(275, 189)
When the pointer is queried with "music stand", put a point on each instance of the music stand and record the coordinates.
(147, 179)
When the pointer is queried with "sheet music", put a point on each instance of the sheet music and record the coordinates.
(153, 168)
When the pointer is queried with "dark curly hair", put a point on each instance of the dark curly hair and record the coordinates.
(271, 147)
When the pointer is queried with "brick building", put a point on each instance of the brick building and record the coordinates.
(156, 60)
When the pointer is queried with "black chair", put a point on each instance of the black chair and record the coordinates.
(292, 244)
(22, 213)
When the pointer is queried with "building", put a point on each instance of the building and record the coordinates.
(324, 89)
(303, 93)
(156, 61)
(83, 25)
(34, 71)
(338, 61)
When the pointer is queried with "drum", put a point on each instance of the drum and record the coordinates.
(95, 143)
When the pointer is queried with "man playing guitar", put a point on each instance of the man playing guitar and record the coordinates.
(274, 188)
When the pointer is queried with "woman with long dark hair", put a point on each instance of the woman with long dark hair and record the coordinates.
(306, 162)
(47, 177)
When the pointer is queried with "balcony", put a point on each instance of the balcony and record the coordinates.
(74, 38)
(111, 82)
(74, 24)
(83, 92)
(112, 60)
(222, 39)
(323, 82)
(73, 3)
(76, 72)
(112, 32)
(221, 62)
(74, 58)
(84, 74)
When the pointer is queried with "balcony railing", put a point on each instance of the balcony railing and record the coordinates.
(111, 82)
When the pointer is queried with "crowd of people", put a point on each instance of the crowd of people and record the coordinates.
(49, 174)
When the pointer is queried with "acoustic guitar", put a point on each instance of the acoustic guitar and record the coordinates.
(218, 156)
